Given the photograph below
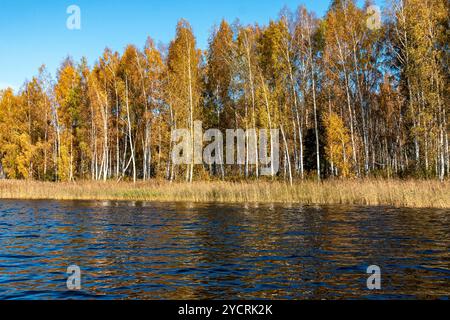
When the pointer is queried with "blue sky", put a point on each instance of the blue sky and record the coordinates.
(33, 33)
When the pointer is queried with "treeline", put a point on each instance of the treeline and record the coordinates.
(349, 100)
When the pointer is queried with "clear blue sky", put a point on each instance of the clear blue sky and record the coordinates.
(33, 33)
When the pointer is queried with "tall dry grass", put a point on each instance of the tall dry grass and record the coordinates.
(412, 193)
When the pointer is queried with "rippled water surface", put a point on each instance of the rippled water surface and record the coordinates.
(192, 251)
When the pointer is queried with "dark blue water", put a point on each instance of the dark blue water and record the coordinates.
(187, 251)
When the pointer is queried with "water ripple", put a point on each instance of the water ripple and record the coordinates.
(192, 251)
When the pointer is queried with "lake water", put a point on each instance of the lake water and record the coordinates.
(129, 250)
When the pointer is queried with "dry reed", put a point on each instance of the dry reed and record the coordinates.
(410, 193)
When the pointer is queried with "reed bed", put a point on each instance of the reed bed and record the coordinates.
(396, 193)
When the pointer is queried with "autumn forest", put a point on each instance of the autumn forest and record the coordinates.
(349, 100)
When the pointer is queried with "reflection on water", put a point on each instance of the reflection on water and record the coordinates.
(186, 251)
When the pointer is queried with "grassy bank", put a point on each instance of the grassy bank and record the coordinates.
(414, 194)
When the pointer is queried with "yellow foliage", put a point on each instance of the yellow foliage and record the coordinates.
(338, 147)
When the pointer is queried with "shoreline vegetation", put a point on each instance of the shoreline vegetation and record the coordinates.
(395, 193)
